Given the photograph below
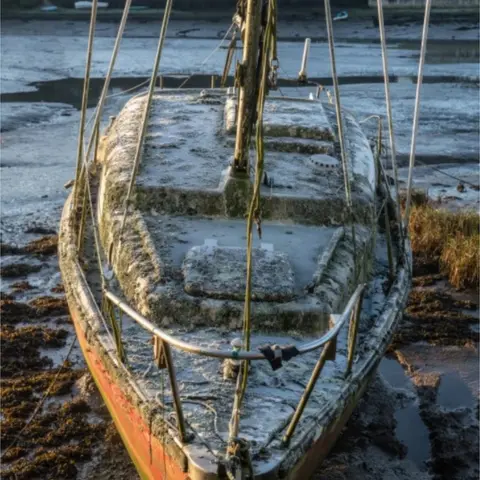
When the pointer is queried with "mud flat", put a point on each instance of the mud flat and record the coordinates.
(49, 428)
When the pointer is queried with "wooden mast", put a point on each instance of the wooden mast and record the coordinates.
(247, 76)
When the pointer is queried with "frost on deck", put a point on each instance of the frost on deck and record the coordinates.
(182, 259)
(271, 396)
(188, 144)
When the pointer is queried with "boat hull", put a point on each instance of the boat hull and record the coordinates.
(151, 458)
(146, 452)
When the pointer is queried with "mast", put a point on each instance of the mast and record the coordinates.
(247, 77)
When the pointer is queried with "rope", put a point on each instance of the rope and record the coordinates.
(86, 85)
(416, 112)
(458, 179)
(228, 61)
(393, 151)
(207, 58)
(454, 177)
(106, 85)
(42, 400)
(254, 210)
(341, 138)
(267, 51)
(143, 131)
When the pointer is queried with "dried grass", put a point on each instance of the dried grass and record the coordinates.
(452, 238)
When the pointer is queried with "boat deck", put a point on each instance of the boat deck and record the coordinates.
(271, 397)
(180, 261)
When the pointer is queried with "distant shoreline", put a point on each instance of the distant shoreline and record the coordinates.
(392, 15)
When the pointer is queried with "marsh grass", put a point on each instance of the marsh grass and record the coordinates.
(451, 238)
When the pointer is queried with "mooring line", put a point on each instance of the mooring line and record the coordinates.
(416, 111)
(86, 86)
(388, 101)
(146, 112)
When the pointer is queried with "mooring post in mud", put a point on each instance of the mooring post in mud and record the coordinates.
(212, 82)
(302, 74)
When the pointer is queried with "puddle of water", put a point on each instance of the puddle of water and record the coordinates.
(413, 433)
(410, 429)
(69, 90)
(393, 372)
(453, 392)
(441, 53)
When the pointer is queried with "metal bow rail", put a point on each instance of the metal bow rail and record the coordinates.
(328, 340)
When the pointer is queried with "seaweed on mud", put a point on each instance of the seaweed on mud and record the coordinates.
(58, 438)
(435, 317)
(43, 246)
(4, 296)
(19, 348)
(12, 311)
(59, 288)
(40, 230)
(427, 280)
(14, 270)
(9, 249)
(47, 305)
(21, 286)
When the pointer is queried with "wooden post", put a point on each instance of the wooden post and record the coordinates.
(308, 391)
(177, 403)
(352, 333)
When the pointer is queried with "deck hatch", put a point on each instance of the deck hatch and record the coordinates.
(220, 272)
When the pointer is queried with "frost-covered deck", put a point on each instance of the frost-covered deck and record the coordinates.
(179, 261)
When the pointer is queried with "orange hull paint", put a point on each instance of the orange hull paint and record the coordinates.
(146, 451)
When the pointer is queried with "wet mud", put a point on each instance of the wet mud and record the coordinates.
(436, 317)
(72, 435)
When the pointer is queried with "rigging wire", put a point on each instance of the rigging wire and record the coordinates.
(83, 112)
(416, 111)
(393, 151)
(207, 58)
(99, 108)
(146, 112)
(341, 138)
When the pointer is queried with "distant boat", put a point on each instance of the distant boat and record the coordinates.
(48, 8)
(88, 5)
(341, 16)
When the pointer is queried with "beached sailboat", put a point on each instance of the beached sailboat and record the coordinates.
(235, 269)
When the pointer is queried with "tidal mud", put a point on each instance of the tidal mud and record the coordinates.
(48, 428)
